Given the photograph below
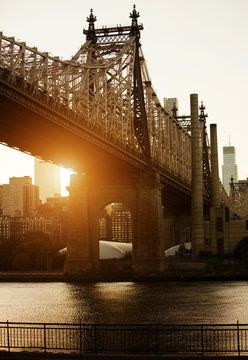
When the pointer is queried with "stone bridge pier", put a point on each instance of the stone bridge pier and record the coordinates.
(141, 193)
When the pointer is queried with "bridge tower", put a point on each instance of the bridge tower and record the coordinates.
(140, 190)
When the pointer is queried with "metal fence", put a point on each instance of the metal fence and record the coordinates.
(203, 340)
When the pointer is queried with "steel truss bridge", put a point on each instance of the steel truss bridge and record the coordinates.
(103, 94)
(99, 114)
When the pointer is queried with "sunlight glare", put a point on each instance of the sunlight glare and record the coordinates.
(65, 180)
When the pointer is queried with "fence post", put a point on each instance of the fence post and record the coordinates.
(157, 340)
(238, 339)
(95, 339)
(202, 351)
(45, 337)
(80, 334)
(147, 340)
(8, 338)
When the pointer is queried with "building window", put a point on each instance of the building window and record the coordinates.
(116, 223)
(227, 216)
(207, 242)
(219, 224)
(220, 246)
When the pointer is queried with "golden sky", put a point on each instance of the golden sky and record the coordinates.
(191, 46)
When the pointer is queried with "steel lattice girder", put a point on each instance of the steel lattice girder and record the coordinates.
(108, 84)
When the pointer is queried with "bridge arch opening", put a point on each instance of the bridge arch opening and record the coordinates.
(115, 237)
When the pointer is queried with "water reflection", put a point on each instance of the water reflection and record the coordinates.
(120, 302)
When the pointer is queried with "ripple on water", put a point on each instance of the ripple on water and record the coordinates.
(125, 302)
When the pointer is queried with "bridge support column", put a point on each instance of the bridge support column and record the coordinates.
(197, 227)
(149, 250)
(78, 258)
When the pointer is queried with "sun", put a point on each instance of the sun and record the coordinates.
(65, 180)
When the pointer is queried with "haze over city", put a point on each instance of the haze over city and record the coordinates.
(190, 47)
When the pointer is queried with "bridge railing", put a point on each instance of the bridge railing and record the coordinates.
(193, 340)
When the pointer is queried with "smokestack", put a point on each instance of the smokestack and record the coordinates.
(197, 229)
(215, 183)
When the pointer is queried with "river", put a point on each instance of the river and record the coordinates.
(125, 302)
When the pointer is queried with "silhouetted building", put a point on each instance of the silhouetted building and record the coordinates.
(13, 226)
(20, 198)
(116, 223)
(19, 226)
(229, 167)
(4, 227)
(242, 186)
(58, 202)
(47, 177)
(171, 105)
(55, 210)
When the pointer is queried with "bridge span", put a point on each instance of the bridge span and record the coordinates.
(99, 114)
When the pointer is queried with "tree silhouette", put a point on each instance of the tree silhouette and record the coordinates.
(35, 251)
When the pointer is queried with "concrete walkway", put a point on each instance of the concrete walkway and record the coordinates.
(52, 356)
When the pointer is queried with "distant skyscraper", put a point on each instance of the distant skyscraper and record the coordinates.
(20, 198)
(116, 223)
(169, 104)
(229, 167)
(47, 177)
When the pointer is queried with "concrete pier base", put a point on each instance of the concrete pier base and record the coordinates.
(78, 258)
(149, 249)
(143, 197)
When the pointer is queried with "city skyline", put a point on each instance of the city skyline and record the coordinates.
(47, 177)
(194, 51)
(19, 164)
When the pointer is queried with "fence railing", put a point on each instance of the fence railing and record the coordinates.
(203, 340)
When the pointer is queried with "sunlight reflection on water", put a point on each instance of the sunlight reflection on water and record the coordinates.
(125, 302)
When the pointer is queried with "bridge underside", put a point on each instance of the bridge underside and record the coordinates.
(42, 132)
(160, 205)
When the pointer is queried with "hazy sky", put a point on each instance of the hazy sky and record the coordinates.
(190, 46)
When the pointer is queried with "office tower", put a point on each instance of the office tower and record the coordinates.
(229, 167)
(20, 198)
(47, 177)
(116, 223)
(170, 104)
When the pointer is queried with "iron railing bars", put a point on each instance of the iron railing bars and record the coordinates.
(8, 336)
(238, 340)
(143, 339)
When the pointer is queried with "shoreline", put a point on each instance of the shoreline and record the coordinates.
(46, 276)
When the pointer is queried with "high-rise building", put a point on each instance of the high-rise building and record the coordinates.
(170, 104)
(20, 198)
(47, 177)
(19, 226)
(116, 223)
(229, 167)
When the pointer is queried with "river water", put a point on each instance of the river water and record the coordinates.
(125, 302)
